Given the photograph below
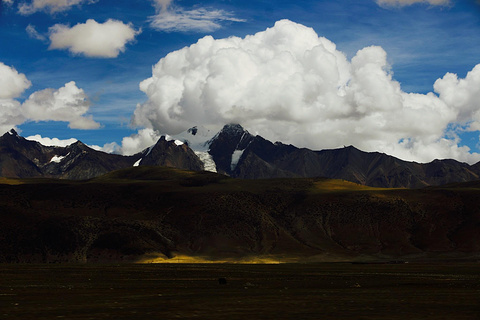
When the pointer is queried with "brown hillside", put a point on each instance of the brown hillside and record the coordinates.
(147, 211)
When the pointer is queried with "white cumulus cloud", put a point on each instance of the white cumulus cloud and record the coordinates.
(68, 103)
(46, 141)
(12, 83)
(51, 6)
(137, 142)
(52, 141)
(93, 39)
(10, 115)
(288, 84)
(111, 147)
(463, 95)
(171, 17)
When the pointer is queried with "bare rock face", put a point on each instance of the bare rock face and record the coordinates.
(171, 154)
(21, 158)
(231, 139)
(80, 162)
(260, 159)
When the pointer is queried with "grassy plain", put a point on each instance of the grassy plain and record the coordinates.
(262, 291)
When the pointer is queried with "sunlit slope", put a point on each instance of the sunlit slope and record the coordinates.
(140, 213)
(10, 181)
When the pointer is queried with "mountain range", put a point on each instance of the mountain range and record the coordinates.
(234, 152)
(22, 158)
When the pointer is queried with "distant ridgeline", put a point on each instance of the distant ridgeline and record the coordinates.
(234, 152)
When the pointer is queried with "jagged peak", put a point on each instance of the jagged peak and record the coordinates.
(11, 133)
(231, 131)
(233, 128)
(171, 140)
(79, 145)
(165, 141)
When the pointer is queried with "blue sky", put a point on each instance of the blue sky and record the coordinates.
(423, 41)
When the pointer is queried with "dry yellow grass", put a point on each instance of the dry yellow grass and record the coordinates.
(11, 182)
(267, 259)
(328, 185)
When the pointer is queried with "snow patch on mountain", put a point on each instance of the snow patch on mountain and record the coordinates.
(57, 159)
(237, 154)
(208, 163)
(174, 139)
(200, 138)
(197, 138)
(136, 164)
(148, 150)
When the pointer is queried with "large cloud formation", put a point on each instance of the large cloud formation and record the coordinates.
(93, 39)
(69, 103)
(289, 84)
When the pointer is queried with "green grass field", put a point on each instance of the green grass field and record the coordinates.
(283, 291)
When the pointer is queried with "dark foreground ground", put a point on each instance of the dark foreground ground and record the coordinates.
(285, 291)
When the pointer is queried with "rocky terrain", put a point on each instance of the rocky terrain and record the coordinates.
(22, 158)
(254, 157)
(141, 212)
(234, 152)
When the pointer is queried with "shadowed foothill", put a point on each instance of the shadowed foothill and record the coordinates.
(155, 214)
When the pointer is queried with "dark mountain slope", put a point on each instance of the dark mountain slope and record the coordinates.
(224, 144)
(130, 215)
(21, 158)
(81, 162)
(170, 154)
(261, 159)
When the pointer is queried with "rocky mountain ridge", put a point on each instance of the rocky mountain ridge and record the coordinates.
(235, 152)
(242, 155)
(22, 158)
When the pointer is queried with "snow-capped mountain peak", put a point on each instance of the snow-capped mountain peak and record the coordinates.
(197, 138)
(227, 146)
